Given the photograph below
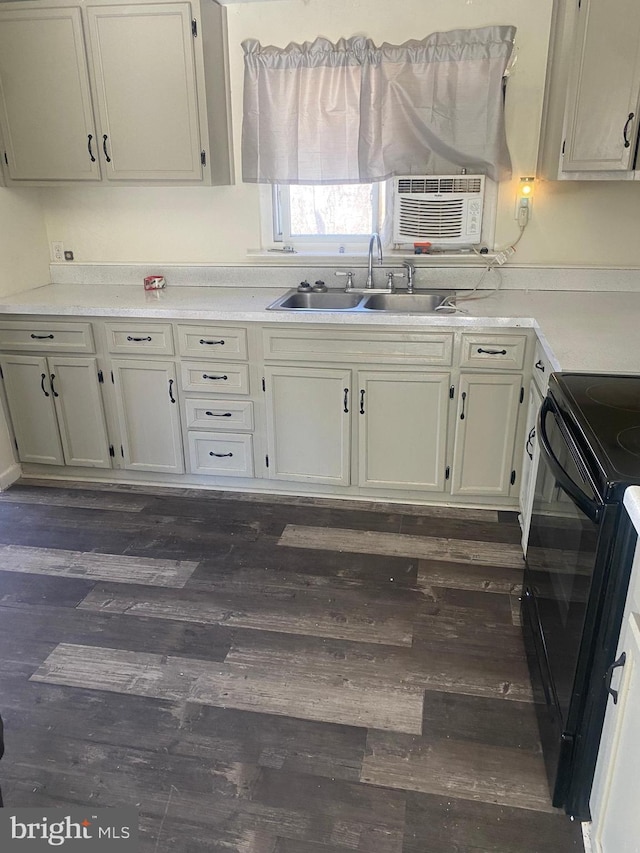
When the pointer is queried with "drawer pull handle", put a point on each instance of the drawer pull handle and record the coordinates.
(104, 148)
(211, 343)
(218, 414)
(529, 444)
(42, 337)
(171, 397)
(609, 675)
(626, 128)
(492, 351)
(345, 408)
(208, 376)
(219, 455)
(362, 393)
(55, 393)
(464, 400)
(539, 365)
(89, 138)
(42, 378)
(137, 340)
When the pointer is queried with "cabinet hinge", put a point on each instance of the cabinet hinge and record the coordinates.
(1, 374)
(122, 451)
(100, 377)
(112, 451)
(513, 477)
(266, 460)
(203, 158)
(15, 441)
(564, 142)
(447, 472)
(264, 384)
(113, 381)
(452, 391)
(6, 159)
(521, 394)
(194, 28)
(579, 4)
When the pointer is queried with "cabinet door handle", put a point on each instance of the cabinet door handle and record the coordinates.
(208, 376)
(346, 401)
(89, 138)
(55, 393)
(539, 365)
(492, 351)
(104, 148)
(41, 337)
(171, 397)
(137, 340)
(609, 674)
(362, 401)
(42, 378)
(464, 400)
(219, 455)
(630, 118)
(211, 343)
(529, 444)
(218, 414)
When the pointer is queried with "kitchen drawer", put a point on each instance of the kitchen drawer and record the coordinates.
(212, 342)
(218, 414)
(225, 455)
(41, 336)
(541, 368)
(366, 346)
(503, 352)
(215, 377)
(146, 338)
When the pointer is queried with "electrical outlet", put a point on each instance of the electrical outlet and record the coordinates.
(57, 251)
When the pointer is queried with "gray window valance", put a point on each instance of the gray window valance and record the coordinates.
(351, 112)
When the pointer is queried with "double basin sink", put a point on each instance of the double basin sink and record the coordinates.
(340, 300)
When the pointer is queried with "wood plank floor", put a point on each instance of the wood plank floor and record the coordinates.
(271, 675)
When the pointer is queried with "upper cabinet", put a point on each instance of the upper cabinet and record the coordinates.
(590, 126)
(115, 94)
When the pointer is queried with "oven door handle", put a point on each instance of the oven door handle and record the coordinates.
(591, 509)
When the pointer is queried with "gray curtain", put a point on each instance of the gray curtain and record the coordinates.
(352, 112)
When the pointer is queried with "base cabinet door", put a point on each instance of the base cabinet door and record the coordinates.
(31, 405)
(148, 415)
(402, 429)
(485, 433)
(308, 424)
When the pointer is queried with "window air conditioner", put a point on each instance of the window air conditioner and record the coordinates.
(445, 210)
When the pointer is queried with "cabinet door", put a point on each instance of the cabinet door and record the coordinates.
(604, 84)
(145, 82)
(147, 403)
(28, 389)
(402, 428)
(308, 419)
(614, 802)
(485, 434)
(78, 403)
(45, 106)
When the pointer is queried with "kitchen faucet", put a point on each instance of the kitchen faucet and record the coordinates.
(375, 237)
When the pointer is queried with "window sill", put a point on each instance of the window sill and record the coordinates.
(391, 257)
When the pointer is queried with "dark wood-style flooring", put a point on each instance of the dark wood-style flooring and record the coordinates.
(271, 675)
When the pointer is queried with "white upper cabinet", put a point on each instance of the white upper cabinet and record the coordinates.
(118, 94)
(590, 121)
(45, 106)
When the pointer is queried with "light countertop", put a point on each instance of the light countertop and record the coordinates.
(632, 505)
(588, 331)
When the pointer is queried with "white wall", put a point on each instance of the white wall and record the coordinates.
(583, 223)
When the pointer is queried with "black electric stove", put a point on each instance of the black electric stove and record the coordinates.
(579, 556)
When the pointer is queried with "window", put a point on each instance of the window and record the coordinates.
(327, 218)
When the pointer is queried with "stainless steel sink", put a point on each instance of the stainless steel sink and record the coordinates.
(405, 303)
(332, 300)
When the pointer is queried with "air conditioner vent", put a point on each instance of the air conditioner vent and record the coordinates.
(441, 209)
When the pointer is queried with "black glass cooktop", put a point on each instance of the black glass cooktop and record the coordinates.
(606, 410)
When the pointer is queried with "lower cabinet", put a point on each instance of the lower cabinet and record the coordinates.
(401, 426)
(485, 434)
(147, 407)
(56, 410)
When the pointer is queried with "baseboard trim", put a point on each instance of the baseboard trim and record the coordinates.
(9, 476)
